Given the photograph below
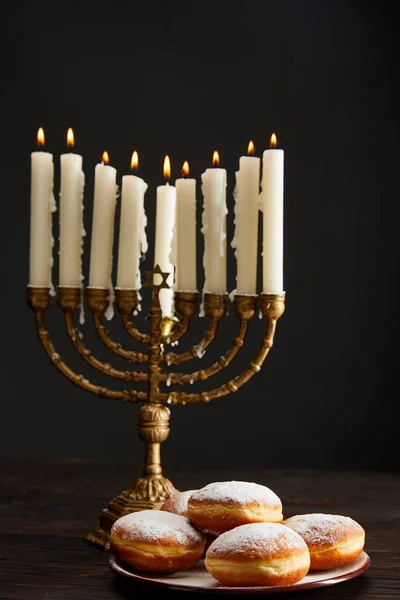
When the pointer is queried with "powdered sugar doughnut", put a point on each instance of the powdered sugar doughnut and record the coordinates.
(156, 541)
(223, 505)
(332, 540)
(258, 554)
(177, 502)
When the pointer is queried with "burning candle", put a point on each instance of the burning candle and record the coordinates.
(271, 205)
(245, 240)
(105, 194)
(186, 277)
(71, 216)
(165, 224)
(132, 234)
(42, 207)
(214, 227)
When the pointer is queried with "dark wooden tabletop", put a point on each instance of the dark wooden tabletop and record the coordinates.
(46, 508)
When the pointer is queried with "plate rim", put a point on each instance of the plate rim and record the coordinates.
(133, 576)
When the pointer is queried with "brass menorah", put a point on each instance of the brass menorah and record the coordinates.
(151, 489)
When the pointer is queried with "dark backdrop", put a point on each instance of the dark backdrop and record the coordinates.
(182, 78)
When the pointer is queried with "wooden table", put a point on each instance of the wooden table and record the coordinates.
(46, 508)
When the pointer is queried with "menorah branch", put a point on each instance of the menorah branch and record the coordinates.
(244, 307)
(272, 308)
(186, 306)
(39, 300)
(115, 347)
(97, 300)
(68, 299)
(127, 302)
(215, 307)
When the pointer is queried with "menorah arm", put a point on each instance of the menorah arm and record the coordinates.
(97, 301)
(68, 299)
(39, 300)
(272, 307)
(215, 307)
(186, 305)
(133, 357)
(244, 308)
(126, 302)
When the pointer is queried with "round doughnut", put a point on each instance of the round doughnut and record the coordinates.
(332, 540)
(258, 554)
(223, 505)
(177, 503)
(156, 541)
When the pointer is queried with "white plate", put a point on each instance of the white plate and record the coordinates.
(198, 578)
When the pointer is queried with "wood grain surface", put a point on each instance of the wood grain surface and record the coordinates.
(46, 508)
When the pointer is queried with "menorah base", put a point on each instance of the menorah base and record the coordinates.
(148, 493)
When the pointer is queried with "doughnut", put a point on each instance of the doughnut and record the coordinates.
(332, 540)
(223, 505)
(258, 554)
(177, 502)
(156, 541)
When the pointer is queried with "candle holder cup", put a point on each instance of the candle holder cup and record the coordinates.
(151, 489)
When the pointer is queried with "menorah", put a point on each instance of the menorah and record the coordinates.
(151, 489)
(173, 283)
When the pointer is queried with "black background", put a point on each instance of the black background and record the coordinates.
(182, 78)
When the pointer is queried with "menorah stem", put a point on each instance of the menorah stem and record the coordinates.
(152, 461)
(152, 489)
(153, 429)
(155, 348)
(154, 417)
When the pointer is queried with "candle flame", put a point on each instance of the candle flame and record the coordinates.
(185, 169)
(134, 161)
(215, 159)
(167, 168)
(250, 148)
(273, 142)
(40, 137)
(105, 158)
(70, 138)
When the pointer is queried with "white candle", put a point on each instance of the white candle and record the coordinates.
(165, 224)
(105, 194)
(42, 206)
(271, 205)
(214, 228)
(186, 276)
(245, 240)
(71, 217)
(132, 234)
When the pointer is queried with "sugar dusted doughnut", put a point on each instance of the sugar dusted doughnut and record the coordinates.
(156, 541)
(258, 554)
(332, 540)
(177, 502)
(222, 505)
